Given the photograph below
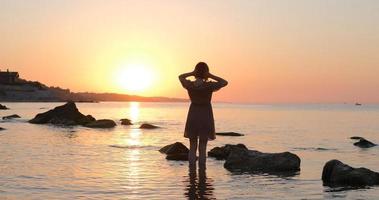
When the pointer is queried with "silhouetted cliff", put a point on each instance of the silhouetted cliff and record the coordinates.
(26, 91)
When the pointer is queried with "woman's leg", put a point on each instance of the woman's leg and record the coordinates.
(192, 152)
(203, 152)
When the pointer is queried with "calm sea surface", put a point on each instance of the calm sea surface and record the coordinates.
(49, 162)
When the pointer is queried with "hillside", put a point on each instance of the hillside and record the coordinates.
(24, 91)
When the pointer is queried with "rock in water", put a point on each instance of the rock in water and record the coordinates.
(148, 126)
(11, 116)
(176, 151)
(3, 107)
(363, 143)
(174, 148)
(177, 157)
(221, 153)
(101, 123)
(244, 160)
(229, 134)
(355, 138)
(336, 173)
(126, 122)
(67, 114)
(2, 129)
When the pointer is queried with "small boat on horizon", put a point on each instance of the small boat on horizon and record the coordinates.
(358, 104)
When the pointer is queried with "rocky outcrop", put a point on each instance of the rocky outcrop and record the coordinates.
(3, 107)
(101, 123)
(126, 122)
(251, 161)
(362, 143)
(67, 114)
(229, 134)
(175, 151)
(11, 116)
(148, 126)
(239, 158)
(336, 173)
(221, 153)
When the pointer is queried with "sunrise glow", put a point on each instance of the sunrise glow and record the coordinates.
(135, 77)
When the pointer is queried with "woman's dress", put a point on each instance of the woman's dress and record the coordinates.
(200, 121)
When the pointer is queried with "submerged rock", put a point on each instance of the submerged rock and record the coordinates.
(229, 134)
(2, 129)
(67, 114)
(221, 153)
(177, 157)
(240, 158)
(101, 123)
(362, 143)
(355, 138)
(3, 107)
(251, 161)
(126, 122)
(11, 116)
(176, 151)
(336, 173)
(148, 126)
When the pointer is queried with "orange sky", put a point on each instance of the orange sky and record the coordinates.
(269, 51)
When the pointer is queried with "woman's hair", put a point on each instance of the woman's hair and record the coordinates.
(201, 69)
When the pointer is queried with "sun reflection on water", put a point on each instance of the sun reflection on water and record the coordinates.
(134, 111)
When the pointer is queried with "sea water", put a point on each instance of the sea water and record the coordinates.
(50, 162)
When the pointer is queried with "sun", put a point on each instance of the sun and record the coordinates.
(135, 77)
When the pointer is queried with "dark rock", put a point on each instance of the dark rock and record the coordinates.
(67, 114)
(11, 116)
(176, 151)
(101, 123)
(221, 153)
(229, 134)
(3, 107)
(2, 129)
(174, 148)
(90, 118)
(356, 138)
(336, 173)
(243, 160)
(178, 157)
(126, 122)
(148, 126)
(363, 143)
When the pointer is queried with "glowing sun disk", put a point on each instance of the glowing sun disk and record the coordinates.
(135, 77)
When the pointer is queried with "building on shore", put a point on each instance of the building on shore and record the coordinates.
(7, 77)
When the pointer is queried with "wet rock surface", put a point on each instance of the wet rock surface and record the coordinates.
(337, 173)
(67, 114)
(176, 151)
(11, 116)
(221, 153)
(148, 126)
(229, 134)
(239, 158)
(3, 107)
(101, 123)
(362, 143)
(126, 121)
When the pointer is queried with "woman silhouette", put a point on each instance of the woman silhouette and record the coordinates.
(200, 123)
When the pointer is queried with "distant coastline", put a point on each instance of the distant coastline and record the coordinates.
(15, 89)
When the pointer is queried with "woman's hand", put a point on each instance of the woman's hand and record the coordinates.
(220, 80)
(182, 77)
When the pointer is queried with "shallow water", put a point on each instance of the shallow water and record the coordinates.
(49, 162)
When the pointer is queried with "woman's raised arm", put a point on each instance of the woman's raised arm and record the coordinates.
(183, 79)
(219, 80)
